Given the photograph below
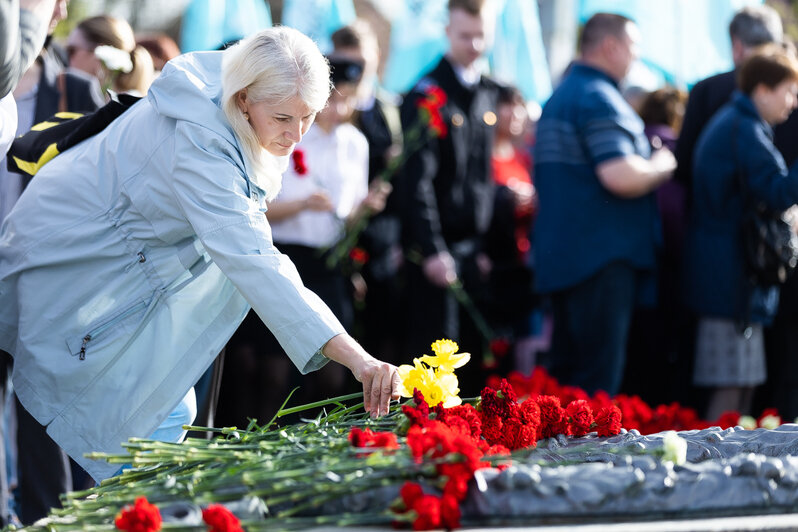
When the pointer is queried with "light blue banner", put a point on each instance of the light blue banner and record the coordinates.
(208, 24)
(684, 41)
(318, 18)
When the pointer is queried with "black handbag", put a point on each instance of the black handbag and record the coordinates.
(770, 246)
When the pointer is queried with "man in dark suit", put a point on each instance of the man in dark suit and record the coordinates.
(446, 192)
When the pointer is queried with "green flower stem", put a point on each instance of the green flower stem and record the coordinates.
(317, 404)
(293, 469)
(458, 291)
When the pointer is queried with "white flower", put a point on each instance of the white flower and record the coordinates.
(114, 59)
(674, 447)
(770, 422)
(747, 422)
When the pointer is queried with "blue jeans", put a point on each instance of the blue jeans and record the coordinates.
(591, 326)
(171, 430)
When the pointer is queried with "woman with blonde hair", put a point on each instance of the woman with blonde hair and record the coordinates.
(107, 31)
(156, 245)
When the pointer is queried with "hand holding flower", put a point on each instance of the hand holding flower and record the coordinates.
(380, 379)
(318, 201)
(373, 203)
(440, 269)
(377, 196)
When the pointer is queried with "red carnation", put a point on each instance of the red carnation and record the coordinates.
(428, 512)
(367, 438)
(466, 412)
(580, 417)
(359, 256)
(450, 512)
(507, 391)
(552, 416)
(432, 102)
(421, 403)
(493, 382)
(608, 421)
(420, 414)
(492, 429)
(497, 450)
(569, 394)
(529, 413)
(410, 493)
(457, 484)
(415, 415)
(435, 96)
(141, 517)
(728, 419)
(517, 435)
(220, 519)
(298, 158)
(500, 347)
(501, 403)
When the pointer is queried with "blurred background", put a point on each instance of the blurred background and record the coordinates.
(684, 40)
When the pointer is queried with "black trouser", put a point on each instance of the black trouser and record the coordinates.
(42, 467)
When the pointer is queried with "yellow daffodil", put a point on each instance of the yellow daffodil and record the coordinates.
(446, 358)
(412, 377)
(437, 387)
(444, 390)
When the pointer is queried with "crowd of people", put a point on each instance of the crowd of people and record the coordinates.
(151, 280)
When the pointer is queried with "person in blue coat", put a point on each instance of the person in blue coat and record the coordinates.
(132, 258)
(736, 145)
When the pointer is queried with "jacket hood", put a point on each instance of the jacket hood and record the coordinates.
(190, 88)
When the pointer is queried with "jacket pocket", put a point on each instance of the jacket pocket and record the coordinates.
(106, 327)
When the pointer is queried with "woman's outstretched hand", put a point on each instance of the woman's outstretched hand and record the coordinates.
(380, 379)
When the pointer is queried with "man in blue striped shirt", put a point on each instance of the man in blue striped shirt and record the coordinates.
(597, 227)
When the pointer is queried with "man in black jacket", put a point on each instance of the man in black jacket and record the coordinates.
(446, 192)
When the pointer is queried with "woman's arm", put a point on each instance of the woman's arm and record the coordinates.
(213, 198)
(380, 379)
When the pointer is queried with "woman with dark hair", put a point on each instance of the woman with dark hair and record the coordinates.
(736, 164)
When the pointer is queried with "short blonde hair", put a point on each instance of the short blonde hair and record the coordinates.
(273, 65)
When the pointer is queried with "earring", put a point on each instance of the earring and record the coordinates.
(246, 116)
